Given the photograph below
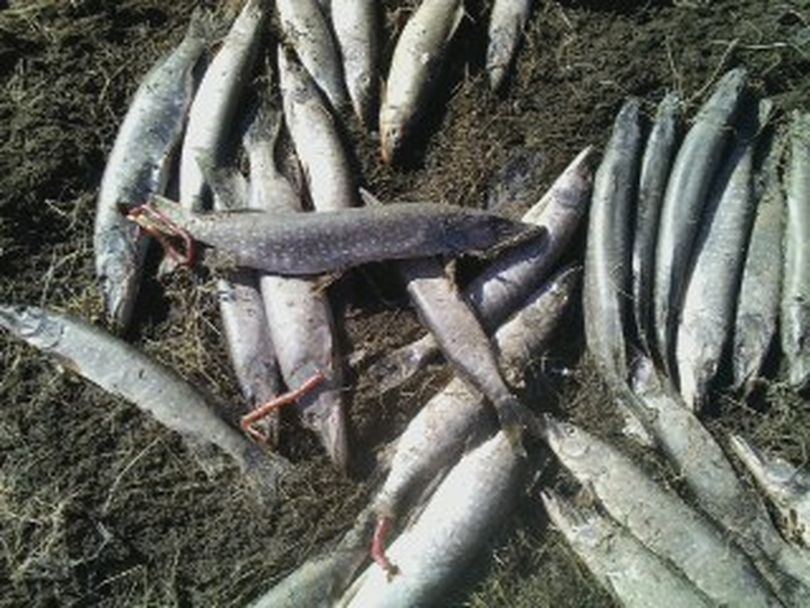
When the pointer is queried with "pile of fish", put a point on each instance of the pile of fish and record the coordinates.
(687, 260)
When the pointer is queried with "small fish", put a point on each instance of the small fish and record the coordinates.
(138, 166)
(690, 179)
(635, 576)
(356, 24)
(124, 371)
(415, 67)
(795, 309)
(506, 25)
(327, 241)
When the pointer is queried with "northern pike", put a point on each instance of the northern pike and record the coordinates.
(467, 507)
(124, 371)
(635, 576)
(313, 243)
(690, 179)
(356, 24)
(758, 304)
(712, 287)
(795, 309)
(655, 165)
(217, 101)
(415, 66)
(659, 518)
(506, 25)
(138, 166)
(307, 30)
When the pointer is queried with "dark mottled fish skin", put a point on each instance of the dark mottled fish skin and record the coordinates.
(124, 371)
(607, 254)
(138, 166)
(655, 165)
(712, 287)
(795, 309)
(758, 304)
(688, 187)
(506, 25)
(328, 241)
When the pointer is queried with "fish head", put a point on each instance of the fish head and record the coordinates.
(31, 323)
(481, 231)
(118, 266)
(567, 440)
(392, 133)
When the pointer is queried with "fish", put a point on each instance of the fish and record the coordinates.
(633, 575)
(415, 66)
(656, 163)
(356, 24)
(786, 486)
(511, 277)
(758, 302)
(659, 518)
(327, 172)
(472, 501)
(329, 241)
(506, 23)
(138, 166)
(712, 288)
(690, 179)
(217, 101)
(298, 312)
(124, 371)
(307, 30)
(795, 306)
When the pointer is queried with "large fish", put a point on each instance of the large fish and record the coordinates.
(138, 166)
(356, 24)
(415, 67)
(124, 371)
(506, 25)
(795, 310)
(688, 187)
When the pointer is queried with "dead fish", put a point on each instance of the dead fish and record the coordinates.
(298, 311)
(655, 165)
(758, 303)
(633, 575)
(659, 519)
(506, 25)
(356, 24)
(712, 288)
(513, 275)
(328, 241)
(415, 67)
(795, 310)
(320, 151)
(124, 371)
(217, 101)
(787, 487)
(138, 166)
(470, 503)
(307, 30)
(688, 187)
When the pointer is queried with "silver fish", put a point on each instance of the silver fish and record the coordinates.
(506, 25)
(124, 371)
(415, 66)
(691, 177)
(795, 310)
(635, 576)
(138, 166)
(307, 30)
(356, 24)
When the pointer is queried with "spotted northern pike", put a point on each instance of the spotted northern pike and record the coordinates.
(506, 25)
(124, 371)
(138, 166)
(356, 24)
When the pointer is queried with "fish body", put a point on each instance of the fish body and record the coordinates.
(138, 166)
(415, 67)
(506, 25)
(795, 307)
(690, 179)
(356, 24)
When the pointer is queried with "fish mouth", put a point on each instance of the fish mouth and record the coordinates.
(331, 430)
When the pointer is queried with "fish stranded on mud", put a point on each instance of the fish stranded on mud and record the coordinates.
(122, 370)
(506, 25)
(330, 241)
(356, 24)
(138, 166)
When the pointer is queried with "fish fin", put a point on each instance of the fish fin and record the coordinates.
(369, 199)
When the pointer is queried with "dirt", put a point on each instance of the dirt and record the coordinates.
(99, 505)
